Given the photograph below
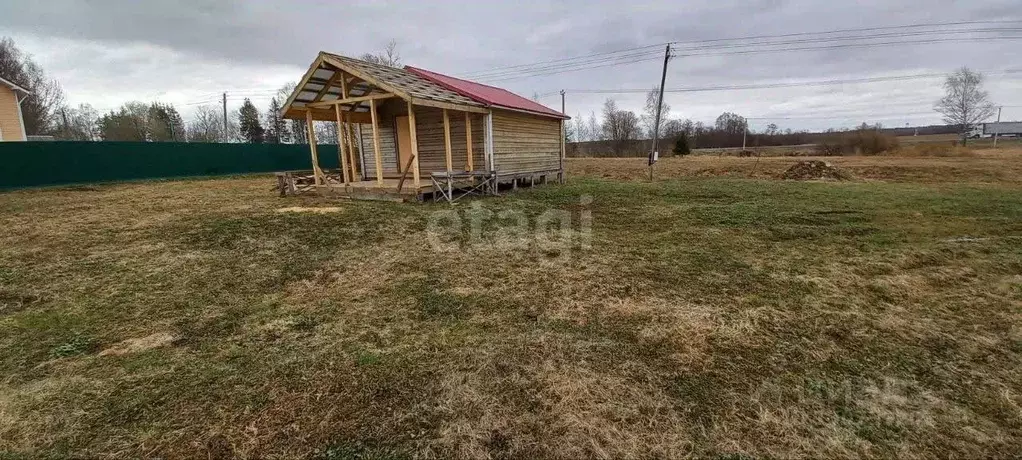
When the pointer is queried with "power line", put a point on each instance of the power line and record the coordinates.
(774, 85)
(570, 64)
(857, 37)
(855, 45)
(862, 29)
(610, 64)
(584, 59)
(587, 56)
(542, 72)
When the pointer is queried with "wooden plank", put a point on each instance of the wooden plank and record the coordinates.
(351, 100)
(376, 142)
(448, 105)
(413, 131)
(341, 151)
(330, 82)
(327, 114)
(312, 148)
(468, 141)
(447, 142)
(358, 73)
(301, 84)
(352, 151)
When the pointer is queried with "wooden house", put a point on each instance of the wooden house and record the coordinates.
(12, 125)
(407, 132)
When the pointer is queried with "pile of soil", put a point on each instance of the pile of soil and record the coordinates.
(814, 170)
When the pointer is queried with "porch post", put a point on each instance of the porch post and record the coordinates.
(415, 146)
(468, 139)
(349, 132)
(376, 143)
(447, 142)
(312, 147)
(341, 152)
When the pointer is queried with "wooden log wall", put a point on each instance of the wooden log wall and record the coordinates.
(429, 123)
(524, 143)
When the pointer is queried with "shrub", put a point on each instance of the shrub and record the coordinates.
(858, 142)
(681, 146)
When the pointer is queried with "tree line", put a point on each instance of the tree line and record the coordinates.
(47, 113)
(620, 132)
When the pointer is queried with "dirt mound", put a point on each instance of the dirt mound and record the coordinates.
(813, 170)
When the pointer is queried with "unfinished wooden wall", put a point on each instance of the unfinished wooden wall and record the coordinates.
(385, 111)
(525, 143)
(429, 124)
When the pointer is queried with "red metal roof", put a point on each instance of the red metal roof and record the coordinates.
(486, 94)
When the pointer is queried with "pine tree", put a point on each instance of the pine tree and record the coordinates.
(248, 121)
(681, 145)
(276, 128)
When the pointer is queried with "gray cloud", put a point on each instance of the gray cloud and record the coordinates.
(117, 50)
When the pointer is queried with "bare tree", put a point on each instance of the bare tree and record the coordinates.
(581, 129)
(389, 57)
(964, 103)
(672, 129)
(77, 124)
(595, 132)
(731, 123)
(38, 110)
(326, 132)
(649, 112)
(619, 126)
(205, 125)
(295, 127)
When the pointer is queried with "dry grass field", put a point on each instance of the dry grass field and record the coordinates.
(717, 312)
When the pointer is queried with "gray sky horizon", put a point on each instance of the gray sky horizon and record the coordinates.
(111, 52)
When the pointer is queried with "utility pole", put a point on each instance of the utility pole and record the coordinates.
(745, 130)
(998, 128)
(653, 153)
(225, 117)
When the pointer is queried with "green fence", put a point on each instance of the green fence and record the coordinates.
(28, 164)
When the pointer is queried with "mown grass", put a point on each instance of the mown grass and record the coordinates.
(707, 316)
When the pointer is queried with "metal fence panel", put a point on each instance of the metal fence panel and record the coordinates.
(29, 164)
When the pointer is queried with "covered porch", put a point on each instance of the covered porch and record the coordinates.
(396, 131)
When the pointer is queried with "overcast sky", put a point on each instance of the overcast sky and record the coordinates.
(106, 52)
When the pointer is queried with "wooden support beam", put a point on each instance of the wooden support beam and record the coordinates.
(329, 83)
(376, 143)
(341, 151)
(351, 100)
(366, 78)
(468, 140)
(327, 114)
(447, 142)
(449, 106)
(412, 132)
(312, 148)
(352, 150)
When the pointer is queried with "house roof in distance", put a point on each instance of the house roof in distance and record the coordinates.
(489, 95)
